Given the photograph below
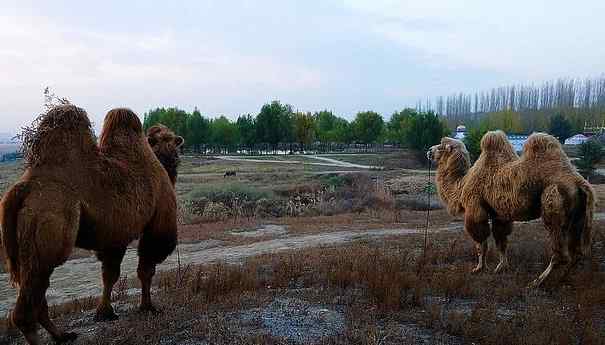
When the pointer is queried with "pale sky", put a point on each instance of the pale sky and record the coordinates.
(231, 57)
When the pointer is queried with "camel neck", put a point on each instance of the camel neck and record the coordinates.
(170, 164)
(450, 179)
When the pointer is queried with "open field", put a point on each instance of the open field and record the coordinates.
(295, 254)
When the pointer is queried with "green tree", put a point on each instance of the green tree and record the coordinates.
(198, 129)
(224, 132)
(341, 133)
(590, 154)
(325, 122)
(274, 123)
(396, 127)
(247, 130)
(331, 128)
(424, 130)
(472, 140)
(506, 120)
(368, 126)
(304, 128)
(560, 127)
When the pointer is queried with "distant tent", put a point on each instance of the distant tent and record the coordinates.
(576, 139)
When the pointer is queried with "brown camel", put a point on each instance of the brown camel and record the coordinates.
(75, 193)
(501, 187)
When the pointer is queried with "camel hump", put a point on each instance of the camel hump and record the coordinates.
(540, 144)
(120, 122)
(496, 141)
(122, 118)
(49, 138)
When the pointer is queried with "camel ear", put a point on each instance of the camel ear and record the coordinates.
(179, 141)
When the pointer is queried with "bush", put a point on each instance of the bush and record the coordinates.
(472, 141)
(216, 211)
(590, 154)
(226, 193)
(270, 208)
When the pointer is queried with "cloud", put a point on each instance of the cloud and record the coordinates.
(231, 57)
(538, 39)
(99, 68)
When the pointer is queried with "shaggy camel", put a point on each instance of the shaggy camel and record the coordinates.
(75, 193)
(501, 187)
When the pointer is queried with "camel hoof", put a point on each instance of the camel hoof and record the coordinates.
(66, 337)
(105, 316)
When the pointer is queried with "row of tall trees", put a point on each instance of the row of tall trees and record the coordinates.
(278, 123)
(580, 101)
(511, 122)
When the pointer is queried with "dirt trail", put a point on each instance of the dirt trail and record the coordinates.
(329, 162)
(82, 277)
(345, 164)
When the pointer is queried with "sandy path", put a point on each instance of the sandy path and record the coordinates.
(82, 277)
(329, 162)
(344, 164)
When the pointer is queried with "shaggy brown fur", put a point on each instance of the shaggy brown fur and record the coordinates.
(74, 193)
(503, 188)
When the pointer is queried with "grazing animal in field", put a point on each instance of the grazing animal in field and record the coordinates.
(501, 187)
(229, 173)
(75, 193)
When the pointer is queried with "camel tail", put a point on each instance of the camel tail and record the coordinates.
(9, 209)
(588, 214)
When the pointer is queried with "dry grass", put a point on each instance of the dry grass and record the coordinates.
(377, 283)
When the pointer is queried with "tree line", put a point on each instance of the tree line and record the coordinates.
(277, 123)
(531, 107)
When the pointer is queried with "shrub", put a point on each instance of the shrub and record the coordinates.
(216, 211)
(590, 154)
(227, 192)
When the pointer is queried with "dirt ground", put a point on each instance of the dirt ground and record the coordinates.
(351, 278)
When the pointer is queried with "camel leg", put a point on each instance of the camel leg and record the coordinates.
(24, 314)
(158, 241)
(31, 307)
(482, 254)
(479, 231)
(58, 336)
(146, 271)
(555, 218)
(501, 230)
(559, 258)
(111, 273)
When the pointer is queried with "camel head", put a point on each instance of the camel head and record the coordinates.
(448, 150)
(163, 140)
(165, 144)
